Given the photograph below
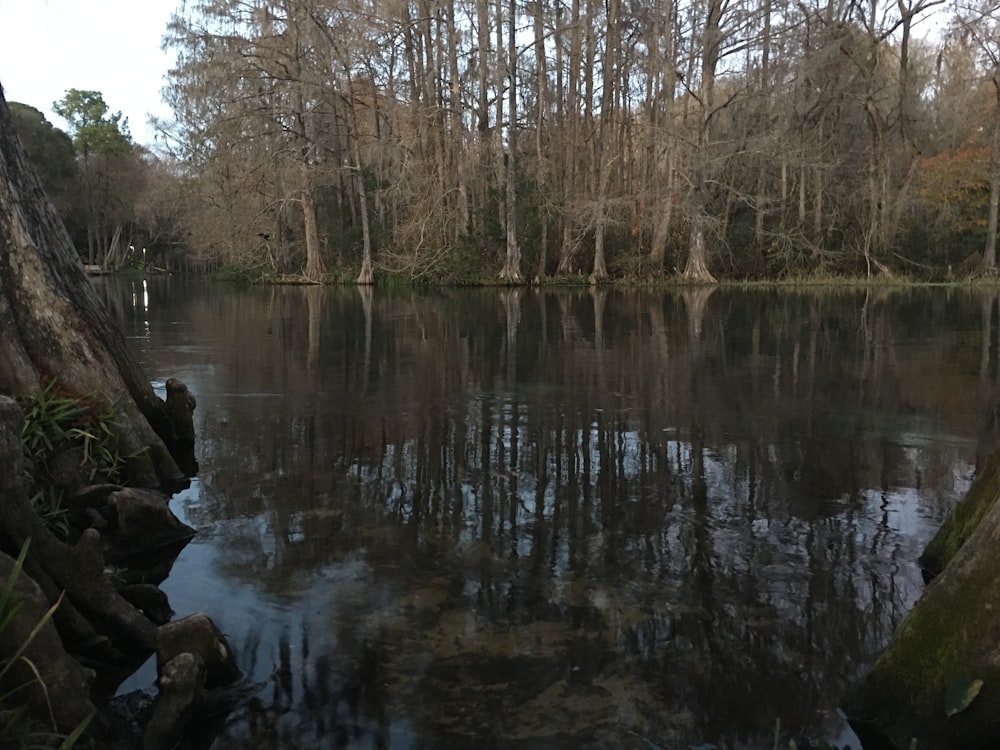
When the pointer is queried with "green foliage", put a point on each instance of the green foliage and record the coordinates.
(54, 426)
(17, 728)
(47, 420)
(960, 693)
(48, 504)
(93, 129)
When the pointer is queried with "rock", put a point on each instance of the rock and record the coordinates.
(126, 717)
(182, 683)
(94, 496)
(145, 523)
(197, 634)
(149, 600)
(64, 684)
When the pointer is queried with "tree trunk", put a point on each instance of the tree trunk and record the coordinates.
(53, 326)
(923, 686)
(485, 143)
(315, 267)
(765, 117)
(541, 94)
(498, 150)
(604, 147)
(366, 276)
(661, 232)
(696, 268)
(990, 252)
(511, 272)
(567, 252)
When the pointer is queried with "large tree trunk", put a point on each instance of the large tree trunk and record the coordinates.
(56, 333)
(925, 687)
(696, 268)
(53, 326)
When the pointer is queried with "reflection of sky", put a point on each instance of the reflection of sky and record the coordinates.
(889, 524)
(316, 506)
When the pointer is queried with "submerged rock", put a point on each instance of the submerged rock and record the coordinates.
(196, 673)
(182, 683)
(145, 524)
(197, 634)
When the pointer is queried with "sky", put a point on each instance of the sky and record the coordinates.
(111, 46)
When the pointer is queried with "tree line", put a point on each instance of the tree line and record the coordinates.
(463, 140)
(107, 189)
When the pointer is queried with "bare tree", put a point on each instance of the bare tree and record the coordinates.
(724, 131)
(512, 258)
(981, 23)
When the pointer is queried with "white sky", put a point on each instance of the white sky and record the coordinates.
(111, 46)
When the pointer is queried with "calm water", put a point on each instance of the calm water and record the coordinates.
(518, 519)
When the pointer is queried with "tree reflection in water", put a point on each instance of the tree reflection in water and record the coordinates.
(519, 519)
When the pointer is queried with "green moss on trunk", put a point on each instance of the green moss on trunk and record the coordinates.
(952, 634)
(965, 518)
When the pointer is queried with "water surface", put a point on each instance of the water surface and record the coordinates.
(519, 519)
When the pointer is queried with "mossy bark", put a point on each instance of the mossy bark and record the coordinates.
(951, 634)
(965, 518)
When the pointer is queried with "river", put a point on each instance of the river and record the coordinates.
(504, 518)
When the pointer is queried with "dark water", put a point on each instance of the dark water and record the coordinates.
(519, 519)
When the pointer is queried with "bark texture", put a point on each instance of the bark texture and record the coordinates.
(53, 326)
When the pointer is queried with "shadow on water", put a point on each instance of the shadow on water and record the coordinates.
(507, 518)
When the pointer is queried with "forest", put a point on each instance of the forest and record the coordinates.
(496, 141)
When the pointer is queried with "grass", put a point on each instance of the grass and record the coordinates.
(18, 727)
(55, 425)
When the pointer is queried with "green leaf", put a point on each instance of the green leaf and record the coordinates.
(960, 693)
(75, 735)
